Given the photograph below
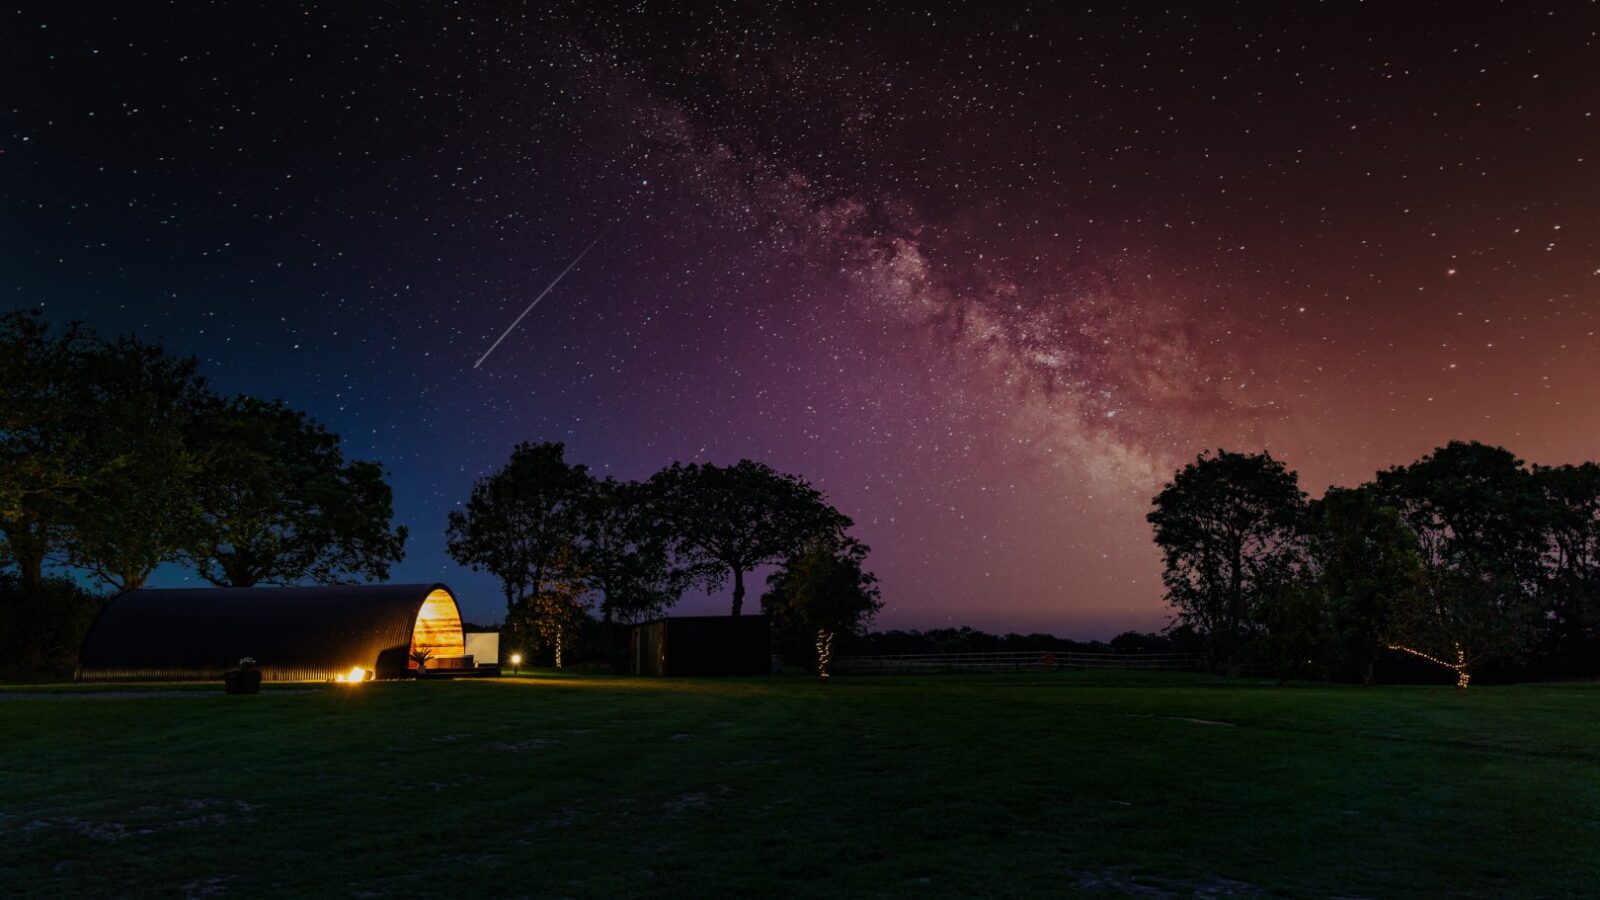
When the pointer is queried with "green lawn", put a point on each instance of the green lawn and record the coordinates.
(999, 785)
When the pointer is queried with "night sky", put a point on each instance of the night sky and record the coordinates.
(985, 276)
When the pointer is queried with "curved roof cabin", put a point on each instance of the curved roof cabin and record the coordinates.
(294, 634)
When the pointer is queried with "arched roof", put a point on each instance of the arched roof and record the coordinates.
(295, 633)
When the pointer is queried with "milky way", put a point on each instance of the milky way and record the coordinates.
(984, 275)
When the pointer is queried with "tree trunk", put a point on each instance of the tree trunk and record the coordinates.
(239, 573)
(31, 562)
(738, 590)
(132, 577)
(28, 548)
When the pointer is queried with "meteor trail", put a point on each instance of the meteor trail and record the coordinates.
(551, 287)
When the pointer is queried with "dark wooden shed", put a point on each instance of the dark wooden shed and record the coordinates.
(703, 645)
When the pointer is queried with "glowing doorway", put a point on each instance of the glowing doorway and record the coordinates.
(438, 630)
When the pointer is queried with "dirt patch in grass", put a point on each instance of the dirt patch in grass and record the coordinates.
(1123, 884)
(203, 813)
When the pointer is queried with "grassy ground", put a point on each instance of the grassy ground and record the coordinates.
(1001, 785)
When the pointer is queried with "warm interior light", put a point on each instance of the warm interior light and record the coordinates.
(438, 630)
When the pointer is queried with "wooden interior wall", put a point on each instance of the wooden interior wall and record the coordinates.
(438, 628)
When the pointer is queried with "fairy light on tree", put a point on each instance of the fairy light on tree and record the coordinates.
(1459, 666)
(1475, 512)
(824, 653)
(825, 590)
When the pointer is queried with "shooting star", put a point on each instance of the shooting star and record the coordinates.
(518, 320)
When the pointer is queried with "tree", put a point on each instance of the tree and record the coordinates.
(1479, 519)
(1365, 560)
(45, 414)
(42, 627)
(519, 520)
(1226, 526)
(725, 521)
(279, 503)
(137, 508)
(1297, 633)
(626, 553)
(554, 615)
(524, 524)
(1571, 572)
(826, 590)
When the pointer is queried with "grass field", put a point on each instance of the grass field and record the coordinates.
(1000, 785)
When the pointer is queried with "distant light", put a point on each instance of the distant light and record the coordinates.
(516, 659)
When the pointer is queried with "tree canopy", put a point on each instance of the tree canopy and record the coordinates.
(1462, 558)
(826, 589)
(279, 503)
(1479, 519)
(1366, 563)
(725, 521)
(523, 524)
(627, 553)
(137, 504)
(118, 458)
(46, 416)
(1227, 528)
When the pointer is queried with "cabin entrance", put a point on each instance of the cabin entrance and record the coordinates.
(437, 641)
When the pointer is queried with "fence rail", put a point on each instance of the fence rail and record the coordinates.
(1015, 661)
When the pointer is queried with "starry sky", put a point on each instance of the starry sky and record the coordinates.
(986, 274)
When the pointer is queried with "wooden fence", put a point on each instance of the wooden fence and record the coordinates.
(1016, 661)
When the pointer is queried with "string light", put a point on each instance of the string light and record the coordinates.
(824, 652)
(1459, 666)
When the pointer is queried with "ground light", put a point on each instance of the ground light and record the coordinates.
(356, 675)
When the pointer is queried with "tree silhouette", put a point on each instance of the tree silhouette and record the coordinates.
(725, 521)
(1479, 518)
(280, 504)
(1226, 526)
(826, 590)
(1571, 584)
(627, 559)
(45, 456)
(1366, 563)
(139, 508)
(520, 522)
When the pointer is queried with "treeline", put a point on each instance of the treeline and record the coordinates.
(971, 640)
(117, 457)
(1467, 560)
(565, 544)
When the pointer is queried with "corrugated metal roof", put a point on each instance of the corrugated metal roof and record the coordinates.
(295, 634)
